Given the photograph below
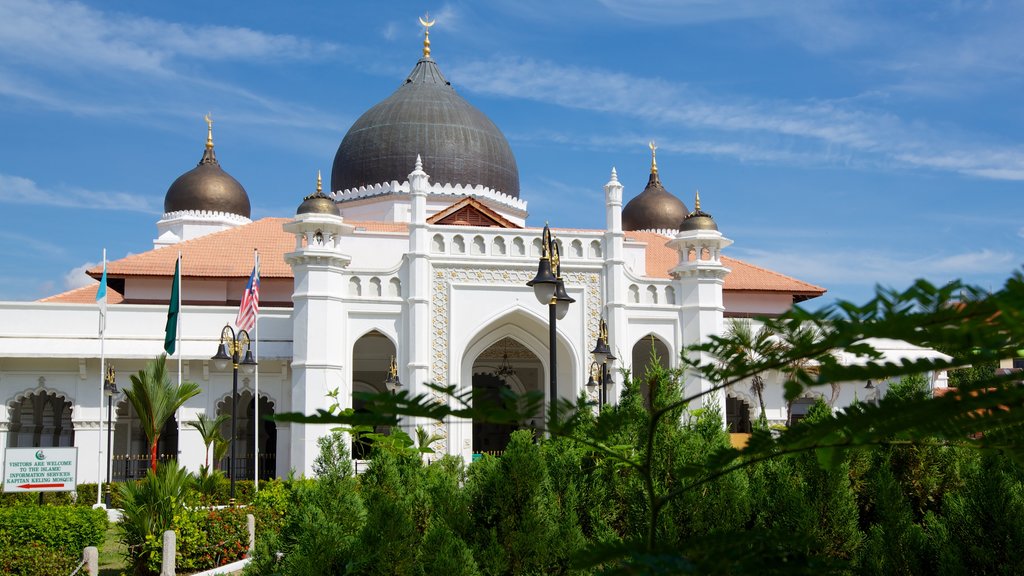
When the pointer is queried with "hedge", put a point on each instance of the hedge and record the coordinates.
(47, 540)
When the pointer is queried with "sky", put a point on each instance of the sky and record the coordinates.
(845, 143)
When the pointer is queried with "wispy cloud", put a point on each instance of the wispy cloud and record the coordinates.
(19, 190)
(76, 277)
(870, 267)
(834, 132)
(25, 244)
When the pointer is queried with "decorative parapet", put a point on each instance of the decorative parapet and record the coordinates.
(666, 232)
(448, 189)
(205, 215)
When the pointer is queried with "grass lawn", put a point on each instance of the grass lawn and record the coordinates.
(112, 554)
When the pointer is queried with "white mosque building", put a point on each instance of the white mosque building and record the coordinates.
(420, 252)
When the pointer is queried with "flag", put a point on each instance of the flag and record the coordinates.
(101, 296)
(171, 334)
(250, 305)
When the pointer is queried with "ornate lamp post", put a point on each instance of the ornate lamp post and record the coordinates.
(602, 359)
(549, 289)
(392, 383)
(234, 348)
(110, 389)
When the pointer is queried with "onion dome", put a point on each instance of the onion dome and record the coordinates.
(207, 187)
(698, 219)
(655, 208)
(318, 202)
(425, 116)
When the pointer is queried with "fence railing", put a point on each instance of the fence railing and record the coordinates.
(134, 466)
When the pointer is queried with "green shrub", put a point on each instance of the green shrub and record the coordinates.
(35, 559)
(150, 507)
(67, 528)
(210, 538)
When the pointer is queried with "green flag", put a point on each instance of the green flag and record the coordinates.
(171, 335)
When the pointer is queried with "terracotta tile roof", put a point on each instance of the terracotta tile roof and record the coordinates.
(371, 226)
(744, 276)
(85, 295)
(226, 254)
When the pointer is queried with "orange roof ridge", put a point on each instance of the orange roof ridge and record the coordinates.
(84, 295)
(810, 287)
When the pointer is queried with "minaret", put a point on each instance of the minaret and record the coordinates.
(615, 278)
(319, 321)
(417, 320)
(699, 279)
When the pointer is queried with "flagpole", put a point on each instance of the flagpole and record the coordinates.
(103, 328)
(177, 413)
(256, 403)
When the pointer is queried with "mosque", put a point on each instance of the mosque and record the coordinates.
(411, 268)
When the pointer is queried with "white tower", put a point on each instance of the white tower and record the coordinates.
(319, 320)
(699, 278)
(417, 327)
(615, 278)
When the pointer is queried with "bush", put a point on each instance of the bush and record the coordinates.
(34, 559)
(67, 528)
(210, 538)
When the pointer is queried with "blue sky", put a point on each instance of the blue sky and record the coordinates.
(844, 143)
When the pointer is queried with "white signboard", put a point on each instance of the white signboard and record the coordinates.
(40, 469)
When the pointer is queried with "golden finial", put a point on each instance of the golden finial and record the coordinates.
(696, 202)
(654, 156)
(319, 183)
(209, 131)
(426, 22)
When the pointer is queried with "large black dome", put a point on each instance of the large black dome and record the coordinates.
(654, 209)
(425, 117)
(207, 187)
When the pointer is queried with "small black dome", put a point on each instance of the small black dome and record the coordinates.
(425, 116)
(653, 209)
(207, 187)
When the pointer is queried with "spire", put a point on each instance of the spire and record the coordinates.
(426, 22)
(209, 131)
(615, 175)
(654, 156)
(208, 156)
(696, 202)
(319, 182)
(419, 162)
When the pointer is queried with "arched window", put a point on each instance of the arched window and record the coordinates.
(40, 420)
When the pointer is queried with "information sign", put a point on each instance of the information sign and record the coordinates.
(40, 469)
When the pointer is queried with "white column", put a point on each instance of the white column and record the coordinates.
(87, 440)
(416, 341)
(319, 330)
(699, 283)
(615, 284)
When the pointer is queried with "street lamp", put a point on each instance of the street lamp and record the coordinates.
(603, 357)
(110, 389)
(549, 289)
(231, 349)
(392, 383)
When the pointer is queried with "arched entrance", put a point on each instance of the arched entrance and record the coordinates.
(737, 416)
(505, 365)
(371, 360)
(131, 450)
(246, 457)
(648, 352)
(40, 420)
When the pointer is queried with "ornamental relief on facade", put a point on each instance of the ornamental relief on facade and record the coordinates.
(445, 276)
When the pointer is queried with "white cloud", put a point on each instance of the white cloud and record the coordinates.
(76, 277)
(19, 190)
(834, 132)
(71, 35)
(870, 267)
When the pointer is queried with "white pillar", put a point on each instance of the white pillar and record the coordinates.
(615, 283)
(416, 342)
(87, 440)
(319, 328)
(699, 283)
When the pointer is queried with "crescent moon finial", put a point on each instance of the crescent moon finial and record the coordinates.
(654, 156)
(426, 22)
(209, 130)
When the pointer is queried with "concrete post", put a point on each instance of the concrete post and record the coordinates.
(250, 524)
(91, 557)
(169, 551)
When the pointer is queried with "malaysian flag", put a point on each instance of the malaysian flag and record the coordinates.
(250, 305)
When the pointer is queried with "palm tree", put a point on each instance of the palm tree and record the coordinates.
(209, 429)
(750, 348)
(155, 400)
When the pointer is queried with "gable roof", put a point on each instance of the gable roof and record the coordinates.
(471, 212)
(743, 276)
(85, 295)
